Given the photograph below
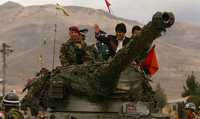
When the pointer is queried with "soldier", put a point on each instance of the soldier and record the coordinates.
(189, 111)
(114, 42)
(136, 30)
(11, 106)
(72, 51)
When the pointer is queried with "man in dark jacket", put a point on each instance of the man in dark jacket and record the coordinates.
(114, 42)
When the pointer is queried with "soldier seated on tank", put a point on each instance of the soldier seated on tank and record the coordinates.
(72, 51)
(114, 42)
(75, 50)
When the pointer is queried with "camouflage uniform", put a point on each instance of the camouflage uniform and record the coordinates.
(77, 53)
(91, 55)
(71, 53)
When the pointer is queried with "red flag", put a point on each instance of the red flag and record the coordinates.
(108, 5)
(151, 63)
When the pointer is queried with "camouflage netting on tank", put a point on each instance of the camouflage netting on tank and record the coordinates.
(39, 97)
(139, 85)
(98, 81)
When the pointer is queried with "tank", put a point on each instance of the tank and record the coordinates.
(109, 87)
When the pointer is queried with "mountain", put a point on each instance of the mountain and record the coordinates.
(178, 56)
(10, 5)
(26, 28)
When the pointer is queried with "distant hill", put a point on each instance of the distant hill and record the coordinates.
(26, 28)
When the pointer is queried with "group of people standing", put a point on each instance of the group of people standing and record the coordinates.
(76, 51)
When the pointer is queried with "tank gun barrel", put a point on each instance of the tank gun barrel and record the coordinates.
(163, 20)
(168, 19)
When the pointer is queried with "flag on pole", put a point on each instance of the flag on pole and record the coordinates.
(151, 65)
(60, 7)
(108, 5)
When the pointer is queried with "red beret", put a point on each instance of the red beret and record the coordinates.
(74, 28)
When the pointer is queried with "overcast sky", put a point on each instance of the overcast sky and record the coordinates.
(140, 10)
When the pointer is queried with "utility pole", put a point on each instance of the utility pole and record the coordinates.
(54, 45)
(5, 52)
(54, 41)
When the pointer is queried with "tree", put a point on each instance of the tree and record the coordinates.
(192, 87)
(160, 97)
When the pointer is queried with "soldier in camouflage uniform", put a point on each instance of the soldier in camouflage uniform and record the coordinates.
(75, 50)
(72, 51)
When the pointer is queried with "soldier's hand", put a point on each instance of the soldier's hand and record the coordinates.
(96, 28)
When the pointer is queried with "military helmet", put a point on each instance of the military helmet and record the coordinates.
(11, 100)
(190, 105)
(121, 27)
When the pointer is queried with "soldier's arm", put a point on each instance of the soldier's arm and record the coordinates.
(102, 38)
(100, 35)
